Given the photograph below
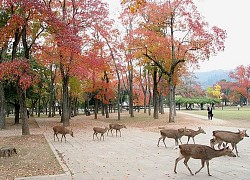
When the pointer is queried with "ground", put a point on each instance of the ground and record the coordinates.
(35, 157)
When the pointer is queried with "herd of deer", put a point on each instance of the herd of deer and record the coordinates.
(187, 151)
(97, 130)
(203, 152)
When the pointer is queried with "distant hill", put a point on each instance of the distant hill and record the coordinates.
(210, 78)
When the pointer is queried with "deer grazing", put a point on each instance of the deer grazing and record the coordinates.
(175, 134)
(190, 133)
(228, 137)
(100, 131)
(62, 130)
(117, 127)
(202, 152)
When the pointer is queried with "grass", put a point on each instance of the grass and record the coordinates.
(228, 113)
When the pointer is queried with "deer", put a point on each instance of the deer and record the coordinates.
(203, 152)
(117, 127)
(190, 133)
(175, 134)
(62, 130)
(100, 131)
(233, 138)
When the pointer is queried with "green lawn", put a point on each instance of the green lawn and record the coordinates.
(228, 113)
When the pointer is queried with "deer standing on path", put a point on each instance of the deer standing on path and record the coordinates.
(117, 127)
(62, 130)
(190, 133)
(202, 152)
(100, 131)
(229, 137)
(175, 134)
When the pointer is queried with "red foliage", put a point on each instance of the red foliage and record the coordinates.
(19, 71)
(242, 77)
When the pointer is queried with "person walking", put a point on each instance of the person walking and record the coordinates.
(210, 112)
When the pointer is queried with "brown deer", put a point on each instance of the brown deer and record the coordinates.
(62, 130)
(202, 152)
(228, 137)
(190, 133)
(175, 134)
(100, 131)
(117, 127)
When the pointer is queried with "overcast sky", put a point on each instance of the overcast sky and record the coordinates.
(232, 16)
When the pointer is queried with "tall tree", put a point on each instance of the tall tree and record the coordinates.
(174, 35)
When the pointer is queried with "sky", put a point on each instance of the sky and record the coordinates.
(232, 16)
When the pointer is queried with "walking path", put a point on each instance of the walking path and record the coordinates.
(135, 156)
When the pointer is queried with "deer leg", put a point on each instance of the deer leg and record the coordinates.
(202, 166)
(57, 137)
(62, 138)
(207, 162)
(188, 139)
(163, 139)
(179, 140)
(95, 134)
(233, 145)
(185, 162)
(177, 160)
(236, 150)
(219, 145)
(120, 133)
(64, 135)
(108, 132)
(193, 140)
(176, 142)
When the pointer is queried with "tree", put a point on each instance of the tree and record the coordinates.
(174, 34)
(214, 92)
(242, 85)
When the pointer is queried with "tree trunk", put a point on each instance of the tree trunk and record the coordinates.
(65, 101)
(144, 90)
(75, 106)
(23, 111)
(17, 111)
(155, 95)
(171, 99)
(174, 100)
(2, 96)
(150, 96)
(2, 107)
(51, 90)
(161, 108)
(106, 110)
(131, 94)
(95, 107)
